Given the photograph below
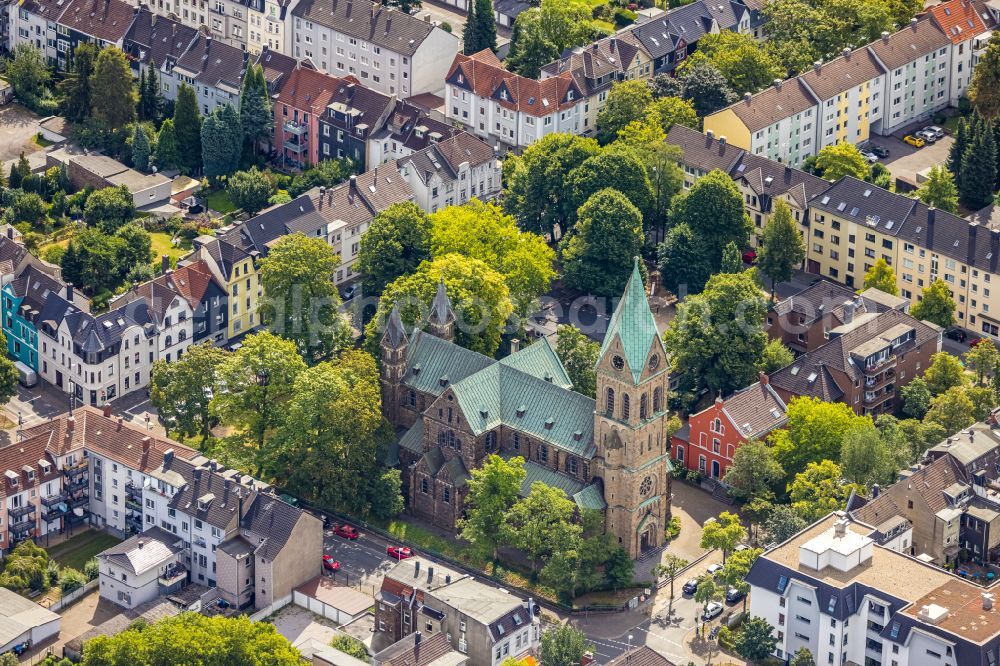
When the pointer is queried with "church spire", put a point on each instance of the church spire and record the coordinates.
(394, 334)
(441, 321)
(633, 324)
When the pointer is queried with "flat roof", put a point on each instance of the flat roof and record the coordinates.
(19, 615)
(136, 181)
(345, 599)
(479, 601)
(966, 615)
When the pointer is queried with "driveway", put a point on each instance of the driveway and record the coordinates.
(363, 561)
(301, 626)
(17, 126)
(905, 161)
(88, 612)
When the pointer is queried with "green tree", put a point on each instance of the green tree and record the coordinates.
(534, 187)
(530, 46)
(816, 430)
(744, 62)
(134, 247)
(325, 174)
(578, 354)
(732, 259)
(881, 277)
(182, 390)
(75, 88)
(483, 231)
(725, 533)
(350, 645)
(480, 27)
(256, 119)
(707, 88)
(617, 167)
(957, 150)
(783, 522)
(841, 159)
(493, 491)
(470, 33)
(259, 381)
(669, 568)
(819, 490)
(109, 208)
(187, 129)
(478, 294)
(665, 85)
(979, 170)
(782, 246)
(865, 457)
(935, 305)
(714, 210)
(140, 149)
(405, 6)
(916, 398)
(150, 98)
(398, 239)
(626, 101)
(301, 301)
(250, 190)
(114, 107)
(776, 356)
(939, 190)
(707, 592)
(944, 372)
(753, 471)
(680, 260)
(27, 73)
(386, 498)
(192, 638)
(717, 339)
(952, 409)
(8, 375)
(542, 523)
(669, 111)
(984, 88)
(755, 640)
(597, 256)
(333, 434)
(735, 572)
(620, 569)
(983, 359)
(564, 646)
(166, 156)
(221, 142)
(803, 658)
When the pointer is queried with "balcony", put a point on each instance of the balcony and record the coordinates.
(292, 127)
(872, 398)
(76, 484)
(76, 470)
(52, 515)
(878, 365)
(77, 502)
(173, 574)
(53, 500)
(877, 382)
(133, 505)
(133, 524)
(73, 519)
(21, 533)
(21, 513)
(294, 146)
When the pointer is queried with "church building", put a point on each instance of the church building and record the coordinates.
(456, 407)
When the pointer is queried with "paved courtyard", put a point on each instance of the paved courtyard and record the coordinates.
(300, 626)
(905, 161)
(17, 126)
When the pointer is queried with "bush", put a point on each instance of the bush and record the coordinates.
(446, 27)
(624, 17)
(92, 569)
(674, 528)
(350, 645)
(71, 580)
(52, 573)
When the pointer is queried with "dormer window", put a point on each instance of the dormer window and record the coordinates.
(503, 95)
(569, 94)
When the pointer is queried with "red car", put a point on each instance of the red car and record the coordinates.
(975, 341)
(347, 532)
(750, 257)
(400, 553)
(330, 564)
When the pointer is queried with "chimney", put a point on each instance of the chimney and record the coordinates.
(587, 658)
(875, 490)
(818, 65)
(722, 140)
(196, 473)
(430, 574)
(70, 423)
(931, 214)
(913, 22)
(165, 263)
(417, 636)
(10, 231)
(168, 457)
(994, 249)
(987, 601)
(777, 84)
(764, 379)
(840, 527)
(846, 53)
(120, 419)
(885, 36)
(710, 134)
(719, 401)
(416, 568)
(106, 410)
(146, 442)
(848, 312)
(531, 607)
(515, 346)
(747, 96)
(971, 250)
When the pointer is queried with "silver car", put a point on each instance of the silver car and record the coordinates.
(712, 611)
(936, 131)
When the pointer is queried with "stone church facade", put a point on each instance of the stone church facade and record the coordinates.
(455, 407)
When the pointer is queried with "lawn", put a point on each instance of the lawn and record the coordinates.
(41, 141)
(219, 202)
(162, 245)
(78, 550)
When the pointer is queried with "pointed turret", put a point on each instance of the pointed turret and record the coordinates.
(394, 348)
(633, 324)
(441, 321)
(394, 334)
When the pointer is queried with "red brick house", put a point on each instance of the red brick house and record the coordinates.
(710, 439)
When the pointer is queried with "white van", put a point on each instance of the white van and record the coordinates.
(26, 375)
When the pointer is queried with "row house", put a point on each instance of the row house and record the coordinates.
(58, 27)
(598, 66)
(214, 69)
(899, 79)
(266, 25)
(157, 41)
(506, 109)
(837, 591)
(407, 130)
(301, 100)
(452, 172)
(339, 214)
(171, 313)
(33, 22)
(234, 272)
(383, 48)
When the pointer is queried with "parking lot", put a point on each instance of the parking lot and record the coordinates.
(363, 561)
(905, 161)
(17, 127)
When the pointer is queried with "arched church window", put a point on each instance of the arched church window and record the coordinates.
(643, 407)
(626, 406)
(657, 400)
(611, 402)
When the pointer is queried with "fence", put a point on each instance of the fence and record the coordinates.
(273, 608)
(70, 599)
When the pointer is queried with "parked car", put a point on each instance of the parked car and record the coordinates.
(926, 136)
(976, 341)
(347, 532)
(733, 595)
(691, 586)
(881, 151)
(740, 548)
(348, 292)
(956, 334)
(934, 130)
(872, 158)
(400, 553)
(712, 611)
(914, 141)
(750, 257)
(713, 569)
(330, 564)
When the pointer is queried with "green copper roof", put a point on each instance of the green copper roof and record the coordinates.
(550, 477)
(540, 360)
(430, 359)
(591, 497)
(632, 322)
(413, 439)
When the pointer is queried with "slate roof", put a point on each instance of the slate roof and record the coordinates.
(755, 410)
(633, 323)
(445, 157)
(158, 294)
(142, 552)
(277, 67)
(703, 152)
(226, 254)
(272, 520)
(108, 20)
(388, 28)
(220, 511)
(407, 652)
(774, 103)
(11, 250)
(214, 63)
(826, 298)
(34, 287)
(929, 482)
(607, 58)
(877, 208)
(364, 105)
(158, 39)
(413, 129)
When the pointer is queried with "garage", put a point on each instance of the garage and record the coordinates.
(334, 602)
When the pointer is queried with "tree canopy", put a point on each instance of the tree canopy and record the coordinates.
(397, 241)
(816, 430)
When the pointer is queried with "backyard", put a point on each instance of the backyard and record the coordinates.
(76, 551)
(163, 244)
(219, 202)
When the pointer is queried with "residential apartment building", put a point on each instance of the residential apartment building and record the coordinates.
(233, 533)
(350, 121)
(171, 312)
(506, 109)
(34, 22)
(234, 270)
(896, 80)
(710, 438)
(383, 48)
(59, 26)
(835, 591)
(161, 41)
(452, 172)
(481, 621)
(301, 100)
(414, 649)
(407, 129)
(214, 69)
(142, 568)
(266, 25)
